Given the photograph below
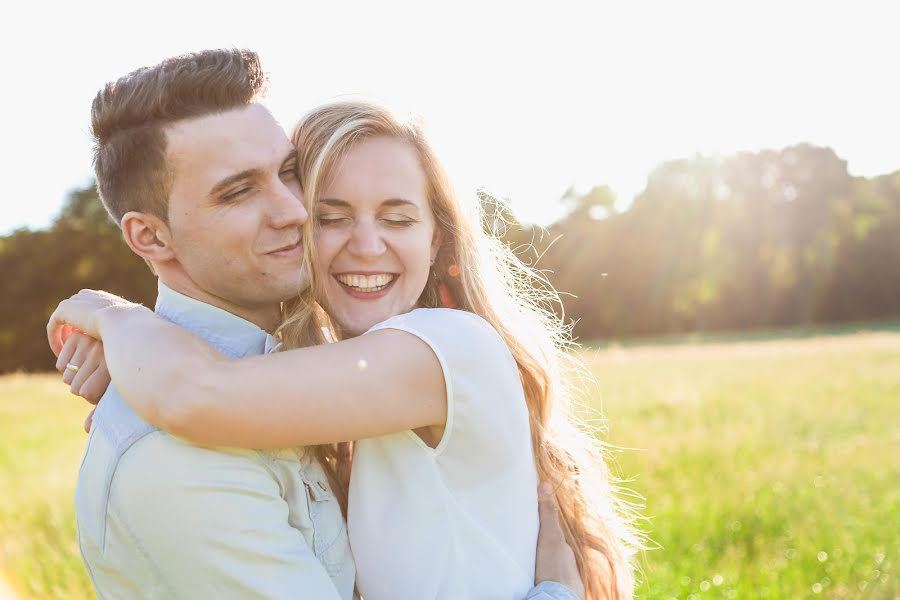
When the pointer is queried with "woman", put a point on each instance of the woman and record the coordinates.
(449, 371)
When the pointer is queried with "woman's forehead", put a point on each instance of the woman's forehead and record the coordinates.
(377, 170)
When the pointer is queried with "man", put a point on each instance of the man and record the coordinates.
(202, 181)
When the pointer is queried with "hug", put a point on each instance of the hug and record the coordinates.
(347, 387)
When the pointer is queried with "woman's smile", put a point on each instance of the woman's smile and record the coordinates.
(366, 285)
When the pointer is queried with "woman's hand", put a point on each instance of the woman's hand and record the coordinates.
(83, 368)
(82, 312)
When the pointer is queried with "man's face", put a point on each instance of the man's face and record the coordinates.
(235, 211)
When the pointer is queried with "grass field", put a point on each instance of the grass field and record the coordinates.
(771, 469)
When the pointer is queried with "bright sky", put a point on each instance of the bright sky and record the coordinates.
(525, 101)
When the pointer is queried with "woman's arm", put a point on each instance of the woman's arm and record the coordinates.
(379, 383)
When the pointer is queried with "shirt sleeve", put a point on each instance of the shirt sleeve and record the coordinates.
(551, 590)
(487, 417)
(212, 524)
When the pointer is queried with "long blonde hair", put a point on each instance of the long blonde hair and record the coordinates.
(483, 277)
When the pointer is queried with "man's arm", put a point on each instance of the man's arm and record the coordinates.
(211, 524)
(551, 590)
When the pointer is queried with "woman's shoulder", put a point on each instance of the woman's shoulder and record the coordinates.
(466, 344)
(447, 327)
(438, 318)
(480, 374)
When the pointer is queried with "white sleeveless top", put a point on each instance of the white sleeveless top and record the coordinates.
(458, 521)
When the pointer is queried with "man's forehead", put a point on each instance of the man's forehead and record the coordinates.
(242, 138)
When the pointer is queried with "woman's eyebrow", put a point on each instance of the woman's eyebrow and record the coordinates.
(335, 202)
(398, 202)
(338, 203)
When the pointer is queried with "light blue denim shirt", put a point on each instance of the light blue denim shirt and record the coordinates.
(160, 518)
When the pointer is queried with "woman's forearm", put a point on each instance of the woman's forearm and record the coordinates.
(376, 384)
(154, 364)
(380, 383)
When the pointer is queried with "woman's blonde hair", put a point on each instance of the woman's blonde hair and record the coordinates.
(483, 277)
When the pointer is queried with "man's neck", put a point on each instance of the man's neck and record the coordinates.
(266, 318)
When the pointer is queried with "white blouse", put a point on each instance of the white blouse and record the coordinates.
(460, 520)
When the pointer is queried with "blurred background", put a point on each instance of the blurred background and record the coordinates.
(714, 188)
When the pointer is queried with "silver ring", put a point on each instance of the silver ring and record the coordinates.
(71, 367)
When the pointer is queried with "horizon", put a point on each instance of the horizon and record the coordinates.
(582, 96)
(622, 205)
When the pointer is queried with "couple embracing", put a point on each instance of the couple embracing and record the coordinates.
(339, 358)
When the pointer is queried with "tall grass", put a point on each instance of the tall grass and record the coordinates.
(771, 469)
(41, 443)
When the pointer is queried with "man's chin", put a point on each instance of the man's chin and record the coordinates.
(293, 288)
(304, 282)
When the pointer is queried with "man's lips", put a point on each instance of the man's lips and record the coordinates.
(289, 251)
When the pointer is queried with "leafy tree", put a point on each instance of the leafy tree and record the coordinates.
(754, 240)
(82, 249)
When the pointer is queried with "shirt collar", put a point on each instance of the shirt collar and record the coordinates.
(273, 344)
(229, 334)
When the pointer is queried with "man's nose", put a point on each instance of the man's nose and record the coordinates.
(366, 240)
(287, 209)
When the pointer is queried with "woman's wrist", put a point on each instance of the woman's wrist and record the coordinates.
(115, 314)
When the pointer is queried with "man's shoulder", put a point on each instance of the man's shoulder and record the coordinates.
(157, 473)
(117, 421)
(128, 455)
(160, 457)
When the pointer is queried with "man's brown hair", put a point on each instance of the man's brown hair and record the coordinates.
(129, 117)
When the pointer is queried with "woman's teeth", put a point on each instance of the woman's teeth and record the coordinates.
(366, 283)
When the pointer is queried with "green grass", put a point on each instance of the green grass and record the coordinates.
(771, 469)
(41, 443)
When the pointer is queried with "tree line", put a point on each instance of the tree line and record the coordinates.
(755, 240)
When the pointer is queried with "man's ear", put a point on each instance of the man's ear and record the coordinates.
(147, 236)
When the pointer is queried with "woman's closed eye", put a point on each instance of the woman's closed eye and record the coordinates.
(332, 219)
(399, 221)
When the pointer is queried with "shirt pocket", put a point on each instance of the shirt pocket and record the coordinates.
(330, 543)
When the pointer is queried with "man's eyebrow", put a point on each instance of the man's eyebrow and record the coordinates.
(231, 179)
(247, 174)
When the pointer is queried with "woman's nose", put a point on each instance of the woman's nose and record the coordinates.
(366, 240)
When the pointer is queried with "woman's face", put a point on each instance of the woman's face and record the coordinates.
(375, 234)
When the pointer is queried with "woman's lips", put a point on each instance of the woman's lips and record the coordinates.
(355, 292)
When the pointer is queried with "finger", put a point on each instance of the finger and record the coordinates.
(85, 370)
(96, 385)
(89, 421)
(66, 353)
(54, 330)
(66, 331)
(78, 359)
(92, 360)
